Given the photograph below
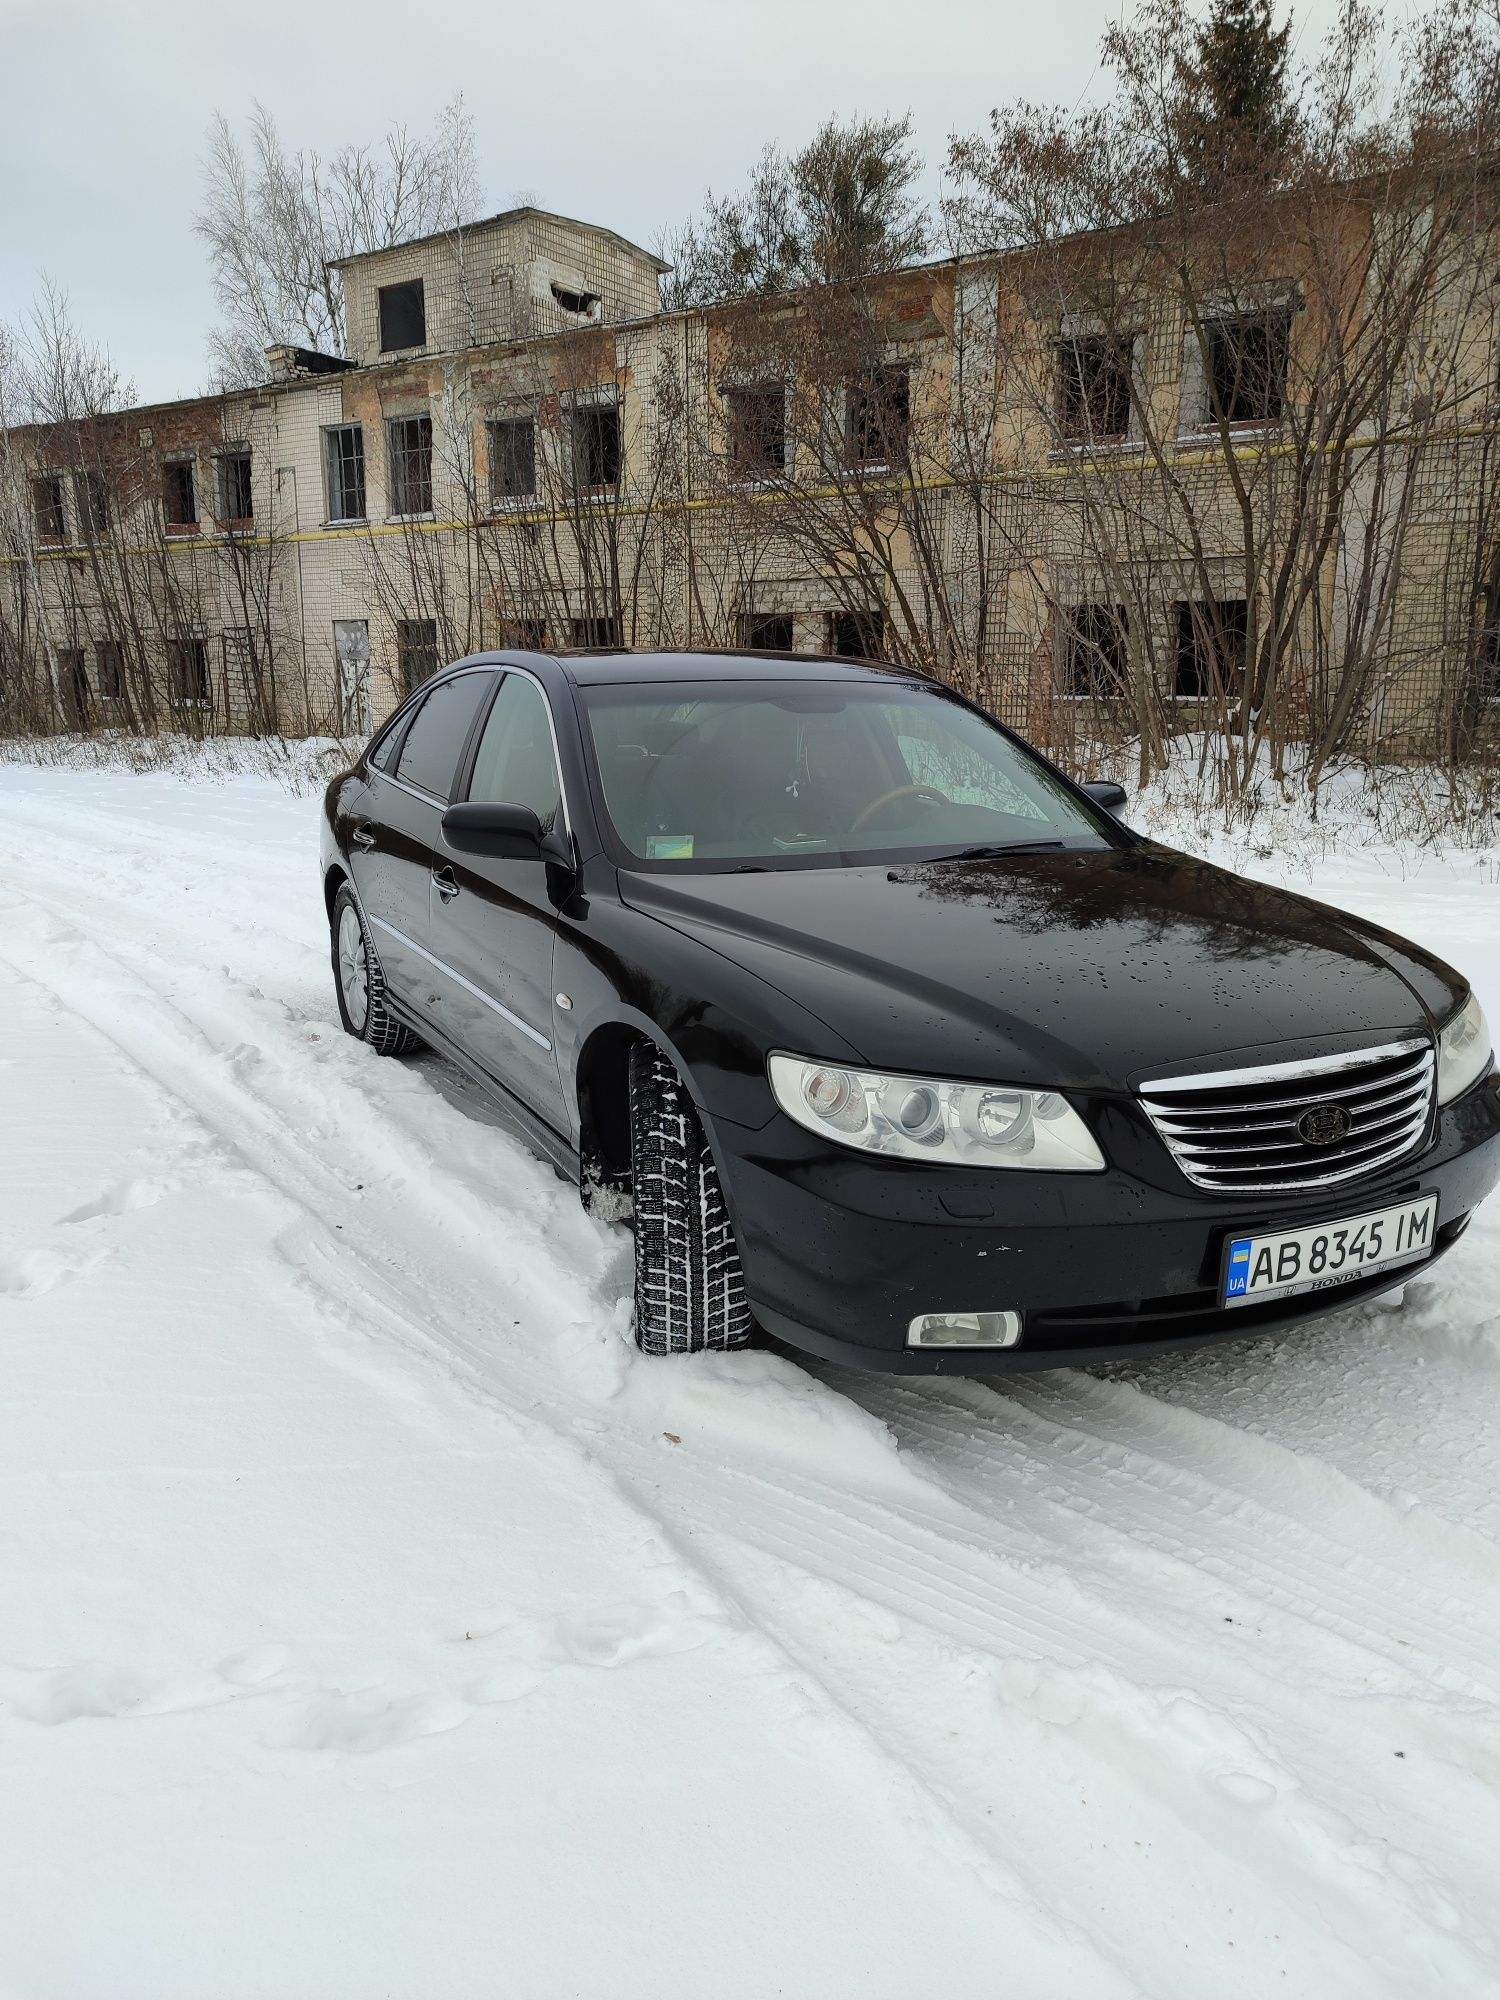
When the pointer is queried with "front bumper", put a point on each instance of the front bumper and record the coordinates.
(841, 1250)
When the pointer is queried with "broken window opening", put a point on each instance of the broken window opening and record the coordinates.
(512, 459)
(73, 686)
(344, 451)
(757, 430)
(416, 652)
(91, 498)
(595, 437)
(526, 635)
(585, 304)
(1484, 677)
(109, 669)
(855, 635)
(1093, 388)
(179, 493)
(47, 507)
(766, 631)
(403, 316)
(1247, 368)
(410, 451)
(1212, 635)
(187, 663)
(236, 502)
(594, 632)
(878, 420)
(1095, 661)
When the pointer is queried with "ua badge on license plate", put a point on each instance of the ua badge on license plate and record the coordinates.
(1330, 1253)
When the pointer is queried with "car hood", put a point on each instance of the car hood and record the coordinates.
(1080, 969)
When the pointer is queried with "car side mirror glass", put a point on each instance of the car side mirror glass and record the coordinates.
(503, 833)
(1112, 797)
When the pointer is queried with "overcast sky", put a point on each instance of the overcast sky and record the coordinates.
(618, 113)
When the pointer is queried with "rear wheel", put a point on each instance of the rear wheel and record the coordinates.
(689, 1288)
(361, 984)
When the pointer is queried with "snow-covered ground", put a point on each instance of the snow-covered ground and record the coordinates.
(374, 1621)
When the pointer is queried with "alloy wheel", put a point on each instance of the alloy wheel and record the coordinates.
(354, 971)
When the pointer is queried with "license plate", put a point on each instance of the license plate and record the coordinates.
(1330, 1253)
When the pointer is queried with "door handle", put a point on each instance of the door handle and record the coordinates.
(444, 882)
(362, 837)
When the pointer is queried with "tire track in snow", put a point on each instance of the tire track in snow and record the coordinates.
(1222, 1506)
(401, 1301)
(920, 1567)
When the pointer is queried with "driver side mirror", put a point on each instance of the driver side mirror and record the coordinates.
(503, 833)
(1111, 796)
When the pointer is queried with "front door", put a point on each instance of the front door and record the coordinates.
(351, 650)
(492, 922)
(392, 830)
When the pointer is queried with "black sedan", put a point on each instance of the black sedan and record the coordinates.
(891, 1039)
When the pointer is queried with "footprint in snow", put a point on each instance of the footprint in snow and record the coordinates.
(121, 1199)
(1245, 1789)
(373, 1719)
(73, 1694)
(31, 1274)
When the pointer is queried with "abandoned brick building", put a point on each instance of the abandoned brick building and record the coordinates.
(1051, 480)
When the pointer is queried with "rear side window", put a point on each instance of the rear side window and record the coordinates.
(383, 756)
(435, 740)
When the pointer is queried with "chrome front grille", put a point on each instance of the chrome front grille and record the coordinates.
(1237, 1131)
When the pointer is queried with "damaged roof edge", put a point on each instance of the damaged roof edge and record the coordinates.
(489, 222)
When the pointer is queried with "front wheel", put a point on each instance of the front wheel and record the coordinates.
(689, 1288)
(361, 984)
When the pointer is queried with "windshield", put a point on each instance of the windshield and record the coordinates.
(776, 773)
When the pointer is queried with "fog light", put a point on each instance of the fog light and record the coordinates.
(964, 1330)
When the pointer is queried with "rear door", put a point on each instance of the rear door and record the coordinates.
(492, 923)
(391, 842)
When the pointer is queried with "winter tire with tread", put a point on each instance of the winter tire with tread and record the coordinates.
(689, 1288)
(360, 984)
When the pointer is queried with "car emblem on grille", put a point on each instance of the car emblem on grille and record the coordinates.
(1324, 1124)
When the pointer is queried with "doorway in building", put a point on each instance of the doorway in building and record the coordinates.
(351, 647)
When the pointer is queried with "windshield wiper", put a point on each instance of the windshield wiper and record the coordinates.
(990, 849)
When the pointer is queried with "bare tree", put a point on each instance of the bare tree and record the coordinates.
(274, 220)
(1242, 399)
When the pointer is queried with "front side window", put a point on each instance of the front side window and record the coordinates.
(436, 737)
(410, 445)
(512, 459)
(515, 764)
(817, 774)
(403, 316)
(344, 452)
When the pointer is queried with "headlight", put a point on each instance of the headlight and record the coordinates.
(920, 1118)
(1463, 1051)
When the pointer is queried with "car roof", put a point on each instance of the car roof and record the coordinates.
(599, 666)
